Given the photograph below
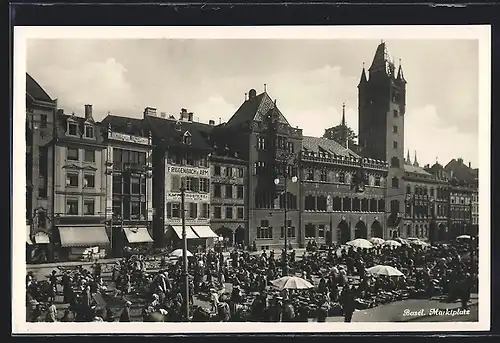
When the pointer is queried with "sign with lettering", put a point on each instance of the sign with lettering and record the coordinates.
(188, 196)
(123, 137)
(190, 171)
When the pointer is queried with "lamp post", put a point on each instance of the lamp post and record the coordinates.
(184, 250)
(285, 227)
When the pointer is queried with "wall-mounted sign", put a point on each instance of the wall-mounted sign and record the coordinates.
(188, 196)
(188, 171)
(123, 137)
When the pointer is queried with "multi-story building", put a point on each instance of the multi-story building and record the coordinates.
(180, 159)
(426, 202)
(228, 205)
(129, 191)
(382, 106)
(40, 113)
(79, 187)
(463, 185)
(343, 193)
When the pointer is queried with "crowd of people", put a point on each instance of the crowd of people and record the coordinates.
(239, 287)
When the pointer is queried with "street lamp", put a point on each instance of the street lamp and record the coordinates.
(285, 227)
(184, 249)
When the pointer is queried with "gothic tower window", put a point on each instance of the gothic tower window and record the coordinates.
(395, 162)
(395, 182)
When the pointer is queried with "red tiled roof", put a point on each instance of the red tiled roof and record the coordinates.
(316, 144)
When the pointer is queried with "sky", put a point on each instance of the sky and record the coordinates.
(310, 79)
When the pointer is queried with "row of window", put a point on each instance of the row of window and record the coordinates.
(281, 143)
(228, 191)
(191, 184)
(73, 154)
(228, 171)
(73, 179)
(440, 193)
(129, 184)
(74, 130)
(229, 212)
(187, 159)
(320, 203)
(122, 156)
(420, 231)
(193, 210)
(129, 207)
(460, 214)
(266, 199)
(73, 207)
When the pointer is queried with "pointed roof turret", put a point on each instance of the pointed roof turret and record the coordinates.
(400, 73)
(408, 159)
(344, 141)
(342, 122)
(363, 78)
(415, 162)
(382, 61)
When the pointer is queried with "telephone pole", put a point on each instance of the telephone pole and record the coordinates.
(184, 250)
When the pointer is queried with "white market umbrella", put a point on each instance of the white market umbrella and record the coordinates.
(178, 253)
(384, 270)
(392, 243)
(463, 237)
(402, 241)
(291, 282)
(419, 242)
(360, 243)
(377, 240)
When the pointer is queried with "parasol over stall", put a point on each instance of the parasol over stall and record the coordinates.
(384, 270)
(463, 237)
(360, 243)
(377, 240)
(179, 253)
(392, 243)
(291, 282)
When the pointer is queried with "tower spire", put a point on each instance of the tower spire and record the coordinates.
(400, 76)
(344, 142)
(408, 160)
(415, 162)
(363, 78)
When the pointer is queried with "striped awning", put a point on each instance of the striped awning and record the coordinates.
(137, 235)
(204, 231)
(83, 236)
(41, 238)
(189, 232)
(28, 234)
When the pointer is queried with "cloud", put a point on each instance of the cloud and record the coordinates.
(425, 133)
(212, 108)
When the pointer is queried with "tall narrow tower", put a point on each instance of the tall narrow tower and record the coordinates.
(382, 101)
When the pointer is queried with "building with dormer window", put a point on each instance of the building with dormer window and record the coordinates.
(79, 187)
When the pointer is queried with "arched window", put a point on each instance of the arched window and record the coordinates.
(408, 189)
(381, 205)
(373, 205)
(364, 205)
(310, 203)
(395, 182)
(395, 162)
(337, 204)
(321, 203)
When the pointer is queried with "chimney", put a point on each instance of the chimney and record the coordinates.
(184, 114)
(190, 116)
(88, 112)
(163, 115)
(252, 93)
(150, 111)
(60, 112)
(460, 160)
(211, 122)
(469, 165)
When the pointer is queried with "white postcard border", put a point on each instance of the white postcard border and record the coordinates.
(482, 33)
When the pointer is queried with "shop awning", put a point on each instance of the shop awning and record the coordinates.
(137, 235)
(41, 238)
(28, 233)
(204, 231)
(189, 232)
(83, 236)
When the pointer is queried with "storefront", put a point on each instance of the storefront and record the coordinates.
(198, 236)
(82, 243)
(37, 246)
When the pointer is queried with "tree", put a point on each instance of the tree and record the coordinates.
(336, 133)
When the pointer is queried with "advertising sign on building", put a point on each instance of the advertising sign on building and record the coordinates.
(188, 196)
(188, 171)
(122, 137)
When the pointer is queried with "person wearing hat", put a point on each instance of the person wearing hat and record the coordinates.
(125, 315)
(214, 299)
(51, 316)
